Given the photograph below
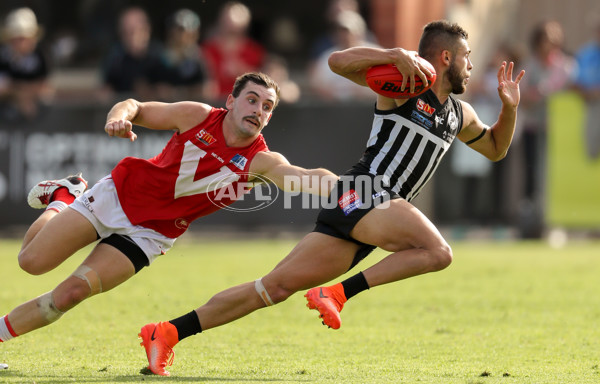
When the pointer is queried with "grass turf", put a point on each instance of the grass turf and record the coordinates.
(501, 313)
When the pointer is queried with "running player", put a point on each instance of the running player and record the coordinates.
(139, 210)
(407, 141)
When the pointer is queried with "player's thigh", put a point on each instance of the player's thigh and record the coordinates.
(397, 227)
(66, 233)
(316, 259)
(111, 266)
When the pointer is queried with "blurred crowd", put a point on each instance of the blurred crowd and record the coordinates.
(181, 64)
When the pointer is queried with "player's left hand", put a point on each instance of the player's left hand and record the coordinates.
(508, 89)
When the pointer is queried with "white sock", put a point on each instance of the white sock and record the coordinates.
(57, 205)
(6, 331)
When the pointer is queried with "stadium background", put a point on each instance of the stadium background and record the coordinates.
(310, 133)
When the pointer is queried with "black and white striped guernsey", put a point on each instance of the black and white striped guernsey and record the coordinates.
(406, 144)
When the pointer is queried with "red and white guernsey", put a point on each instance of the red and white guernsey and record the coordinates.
(167, 192)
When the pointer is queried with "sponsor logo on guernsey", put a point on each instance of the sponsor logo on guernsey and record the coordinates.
(217, 157)
(453, 121)
(205, 137)
(181, 223)
(420, 119)
(427, 109)
(349, 202)
(379, 194)
(239, 161)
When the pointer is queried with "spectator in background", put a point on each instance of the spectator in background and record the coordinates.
(350, 32)
(328, 40)
(277, 68)
(24, 86)
(587, 83)
(550, 70)
(187, 71)
(229, 51)
(136, 65)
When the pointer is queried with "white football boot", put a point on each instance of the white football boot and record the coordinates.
(41, 195)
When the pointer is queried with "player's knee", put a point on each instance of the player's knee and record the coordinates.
(280, 292)
(272, 293)
(441, 257)
(83, 283)
(90, 277)
(73, 292)
(30, 263)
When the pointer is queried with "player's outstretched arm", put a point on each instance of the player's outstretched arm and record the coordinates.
(493, 142)
(179, 116)
(291, 178)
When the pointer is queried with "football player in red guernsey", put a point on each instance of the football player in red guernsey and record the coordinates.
(408, 139)
(139, 210)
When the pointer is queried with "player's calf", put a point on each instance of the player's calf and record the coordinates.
(29, 316)
(48, 309)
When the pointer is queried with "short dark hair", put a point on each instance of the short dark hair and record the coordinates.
(256, 78)
(440, 35)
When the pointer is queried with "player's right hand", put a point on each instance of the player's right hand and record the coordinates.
(410, 68)
(120, 128)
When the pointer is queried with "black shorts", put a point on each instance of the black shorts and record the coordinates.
(355, 196)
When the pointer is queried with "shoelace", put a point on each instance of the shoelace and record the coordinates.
(171, 353)
(170, 356)
(45, 196)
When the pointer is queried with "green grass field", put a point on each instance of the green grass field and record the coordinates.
(502, 313)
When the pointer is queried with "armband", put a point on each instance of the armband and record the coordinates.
(478, 137)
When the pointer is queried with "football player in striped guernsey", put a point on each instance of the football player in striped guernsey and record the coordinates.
(407, 141)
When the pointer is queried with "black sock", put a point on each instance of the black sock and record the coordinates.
(355, 285)
(187, 325)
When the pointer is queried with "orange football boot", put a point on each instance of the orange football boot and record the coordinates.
(329, 301)
(159, 339)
